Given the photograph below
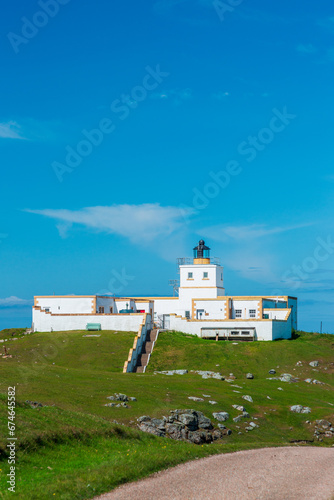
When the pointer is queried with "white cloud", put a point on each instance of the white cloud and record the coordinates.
(251, 232)
(306, 48)
(140, 223)
(10, 130)
(14, 302)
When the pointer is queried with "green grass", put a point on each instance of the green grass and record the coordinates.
(72, 448)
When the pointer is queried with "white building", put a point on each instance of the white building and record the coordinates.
(202, 308)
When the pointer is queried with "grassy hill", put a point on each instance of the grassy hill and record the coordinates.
(72, 448)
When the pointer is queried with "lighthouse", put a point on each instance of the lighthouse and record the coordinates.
(202, 279)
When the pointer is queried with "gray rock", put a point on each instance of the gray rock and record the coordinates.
(174, 431)
(239, 407)
(173, 372)
(222, 416)
(299, 363)
(314, 363)
(158, 423)
(272, 372)
(209, 374)
(151, 429)
(204, 422)
(199, 437)
(287, 377)
(133, 399)
(324, 423)
(110, 404)
(144, 418)
(308, 380)
(195, 399)
(240, 417)
(190, 420)
(253, 424)
(217, 435)
(300, 409)
(221, 426)
(249, 376)
(213, 402)
(248, 398)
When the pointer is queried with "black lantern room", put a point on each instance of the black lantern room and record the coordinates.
(201, 251)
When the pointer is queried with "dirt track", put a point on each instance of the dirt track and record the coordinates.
(293, 473)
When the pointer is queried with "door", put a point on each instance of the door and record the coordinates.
(200, 313)
(166, 324)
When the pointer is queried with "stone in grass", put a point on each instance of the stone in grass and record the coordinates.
(245, 414)
(239, 407)
(300, 409)
(213, 402)
(299, 363)
(248, 398)
(221, 426)
(222, 416)
(272, 372)
(314, 363)
(250, 376)
(279, 389)
(195, 399)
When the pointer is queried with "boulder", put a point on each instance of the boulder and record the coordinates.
(195, 399)
(213, 402)
(190, 420)
(272, 372)
(204, 422)
(151, 429)
(314, 363)
(144, 418)
(222, 416)
(174, 431)
(249, 376)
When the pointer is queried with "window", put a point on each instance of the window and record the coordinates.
(238, 313)
(221, 276)
(234, 333)
(190, 276)
(101, 310)
(47, 309)
(187, 314)
(245, 333)
(111, 310)
(252, 313)
(205, 276)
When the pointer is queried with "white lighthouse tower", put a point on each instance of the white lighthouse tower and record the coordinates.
(200, 280)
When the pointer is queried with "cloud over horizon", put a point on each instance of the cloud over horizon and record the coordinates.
(139, 223)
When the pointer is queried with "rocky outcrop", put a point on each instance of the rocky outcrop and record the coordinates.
(183, 425)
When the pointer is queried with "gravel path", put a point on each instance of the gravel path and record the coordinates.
(293, 473)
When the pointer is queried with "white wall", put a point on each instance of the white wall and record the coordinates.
(213, 309)
(265, 329)
(245, 306)
(45, 322)
(67, 305)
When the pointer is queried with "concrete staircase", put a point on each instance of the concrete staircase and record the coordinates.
(146, 351)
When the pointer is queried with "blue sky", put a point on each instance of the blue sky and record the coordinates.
(129, 130)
